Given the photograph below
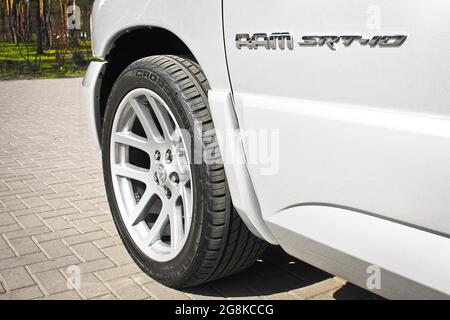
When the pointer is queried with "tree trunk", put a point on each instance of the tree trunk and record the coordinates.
(29, 24)
(73, 34)
(37, 14)
(11, 16)
(48, 23)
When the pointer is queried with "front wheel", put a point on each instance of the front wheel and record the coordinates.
(174, 215)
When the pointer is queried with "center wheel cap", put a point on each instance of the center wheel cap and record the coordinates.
(161, 173)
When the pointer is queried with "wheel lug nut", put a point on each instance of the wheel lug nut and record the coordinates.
(155, 178)
(169, 156)
(175, 178)
(157, 155)
(167, 192)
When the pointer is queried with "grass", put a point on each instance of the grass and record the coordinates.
(21, 62)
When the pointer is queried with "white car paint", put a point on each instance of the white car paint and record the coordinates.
(200, 29)
(364, 133)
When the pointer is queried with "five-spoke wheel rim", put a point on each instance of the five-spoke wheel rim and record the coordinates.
(151, 174)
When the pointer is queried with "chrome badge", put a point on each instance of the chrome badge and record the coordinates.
(283, 40)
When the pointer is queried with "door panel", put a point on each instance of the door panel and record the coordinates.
(358, 127)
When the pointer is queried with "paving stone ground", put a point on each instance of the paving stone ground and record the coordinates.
(54, 218)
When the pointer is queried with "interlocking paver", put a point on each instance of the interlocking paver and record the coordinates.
(59, 203)
(6, 253)
(141, 278)
(27, 232)
(32, 212)
(24, 246)
(22, 260)
(325, 296)
(161, 292)
(55, 248)
(15, 184)
(58, 213)
(118, 272)
(66, 295)
(3, 244)
(6, 193)
(102, 219)
(87, 237)
(56, 234)
(35, 194)
(84, 205)
(317, 288)
(37, 185)
(282, 296)
(11, 205)
(118, 254)
(9, 227)
(126, 289)
(108, 242)
(88, 251)
(85, 225)
(29, 221)
(52, 282)
(105, 297)
(109, 226)
(87, 215)
(34, 202)
(27, 293)
(54, 215)
(92, 287)
(5, 219)
(57, 263)
(16, 278)
(57, 223)
(96, 265)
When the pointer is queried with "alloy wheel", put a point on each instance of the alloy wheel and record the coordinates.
(151, 174)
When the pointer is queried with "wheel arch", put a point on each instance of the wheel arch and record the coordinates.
(130, 45)
(121, 48)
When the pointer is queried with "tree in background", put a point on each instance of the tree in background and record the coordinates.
(38, 19)
(42, 24)
(10, 13)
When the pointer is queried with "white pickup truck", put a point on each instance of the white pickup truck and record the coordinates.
(320, 126)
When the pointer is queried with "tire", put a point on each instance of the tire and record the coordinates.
(217, 243)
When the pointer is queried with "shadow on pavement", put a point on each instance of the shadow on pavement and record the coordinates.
(278, 275)
(352, 292)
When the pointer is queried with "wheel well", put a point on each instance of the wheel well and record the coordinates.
(132, 46)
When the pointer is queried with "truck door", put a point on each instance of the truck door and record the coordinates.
(356, 95)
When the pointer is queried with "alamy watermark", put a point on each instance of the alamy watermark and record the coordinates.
(73, 274)
(374, 279)
(373, 21)
(253, 147)
(73, 17)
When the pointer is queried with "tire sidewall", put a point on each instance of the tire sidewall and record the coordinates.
(173, 271)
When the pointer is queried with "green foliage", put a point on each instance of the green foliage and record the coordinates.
(21, 61)
(35, 41)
